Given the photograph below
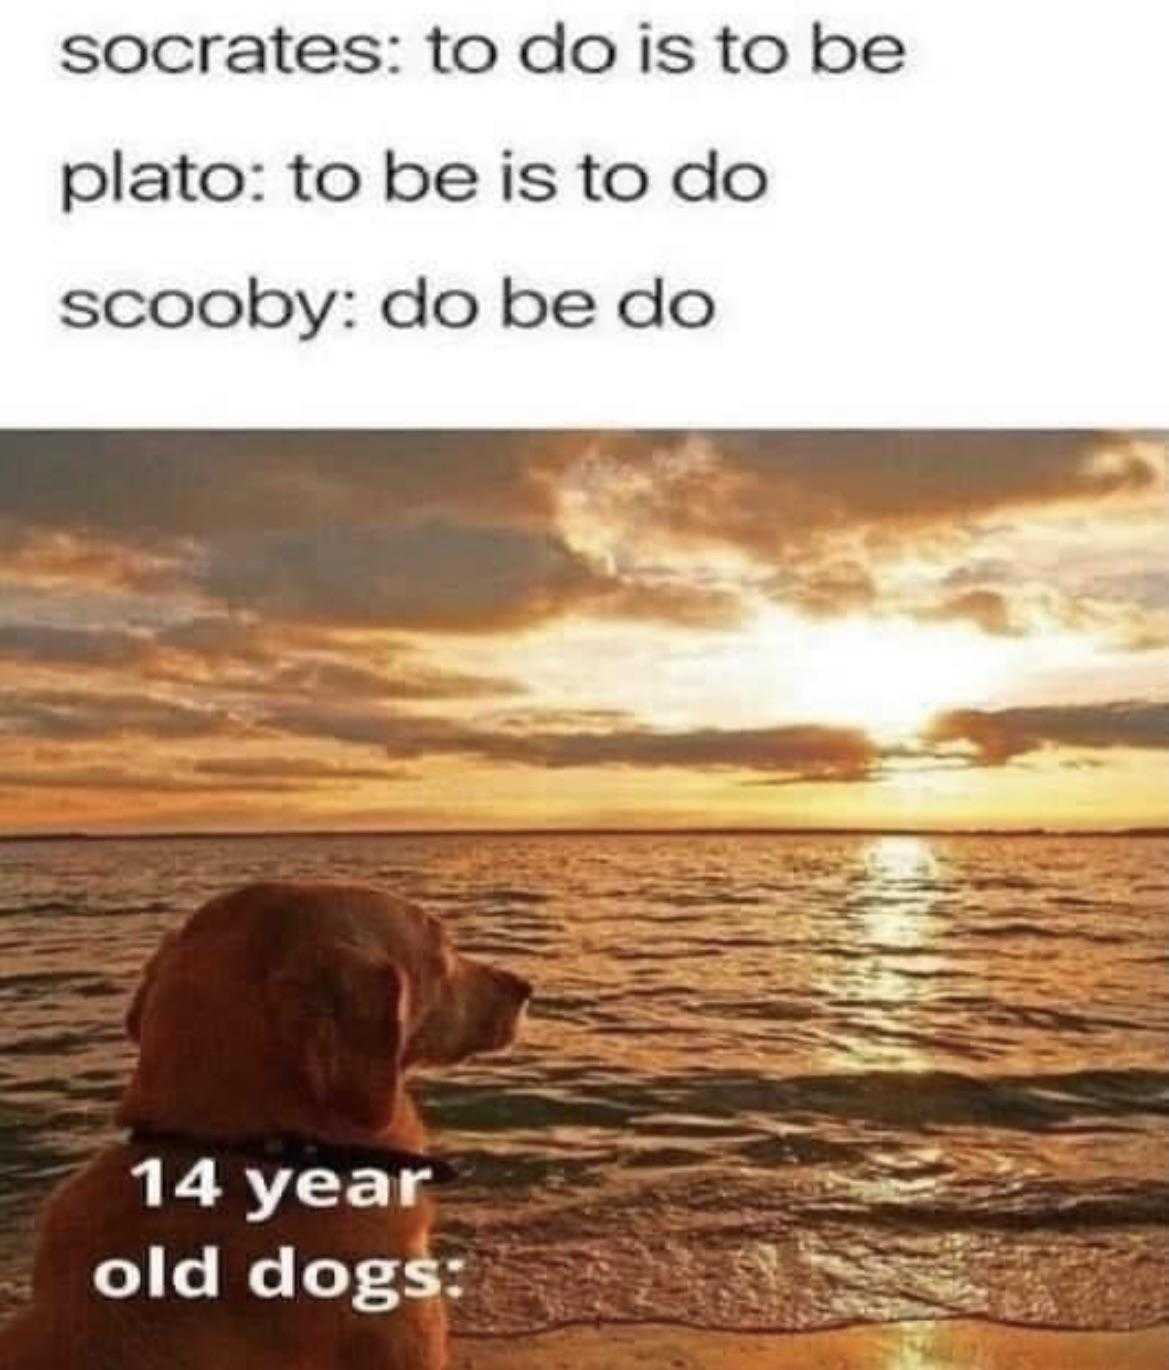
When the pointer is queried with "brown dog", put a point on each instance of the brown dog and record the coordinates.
(284, 1011)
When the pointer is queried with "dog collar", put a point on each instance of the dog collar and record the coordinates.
(301, 1153)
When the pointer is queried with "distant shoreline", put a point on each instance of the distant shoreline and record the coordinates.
(207, 835)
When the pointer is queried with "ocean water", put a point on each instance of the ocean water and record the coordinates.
(767, 1081)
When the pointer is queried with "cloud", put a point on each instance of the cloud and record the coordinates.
(245, 775)
(542, 718)
(494, 531)
(441, 577)
(985, 609)
(81, 715)
(836, 588)
(758, 490)
(222, 638)
(150, 487)
(436, 575)
(47, 645)
(49, 557)
(669, 603)
(292, 768)
(1146, 586)
(1146, 633)
(808, 750)
(246, 657)
(980, 573)
(845, 522)
(571, 741)
(114, 778)
(182, 649)
(147, 488)
(328, 679)
(1000, 736)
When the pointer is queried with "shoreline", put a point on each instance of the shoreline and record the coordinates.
(940, 1344)
(946, 1344)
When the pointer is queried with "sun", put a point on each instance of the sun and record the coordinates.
(890, 676)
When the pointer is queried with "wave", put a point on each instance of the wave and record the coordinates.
(912, 1101)
(1141, 1208)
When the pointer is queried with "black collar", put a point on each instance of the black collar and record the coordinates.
(300, 1153)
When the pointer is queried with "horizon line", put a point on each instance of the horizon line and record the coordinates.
(755, 830)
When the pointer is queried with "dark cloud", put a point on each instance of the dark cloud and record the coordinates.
(148, 487)
(434, 575)
(82, 715)
(441, 577)
(173, 650)
(221, 639)
(559, 743)
(999, 736)
(325, 679)
(245, 658)
(46, 645)
(759, 490)
(806, 750)
(161, 486)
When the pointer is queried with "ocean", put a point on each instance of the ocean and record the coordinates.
(767, 1081)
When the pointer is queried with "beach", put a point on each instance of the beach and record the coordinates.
(936, 1345)
(958, 1345)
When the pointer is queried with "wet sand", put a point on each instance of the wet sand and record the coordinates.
(902, 1346)
(956, 1345)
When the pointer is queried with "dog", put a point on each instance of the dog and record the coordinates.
(283, 1015)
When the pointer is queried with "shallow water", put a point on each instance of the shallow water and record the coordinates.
(767, 1081)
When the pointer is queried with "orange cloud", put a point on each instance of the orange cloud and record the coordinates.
(985, 609)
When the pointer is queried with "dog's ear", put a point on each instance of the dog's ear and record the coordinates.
(341, 1028)
(133, 1019)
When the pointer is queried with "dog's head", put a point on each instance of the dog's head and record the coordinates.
(311, 1000)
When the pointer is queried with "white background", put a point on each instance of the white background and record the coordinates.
(981, 241)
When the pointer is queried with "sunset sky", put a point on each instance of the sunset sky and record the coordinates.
(222, 631)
